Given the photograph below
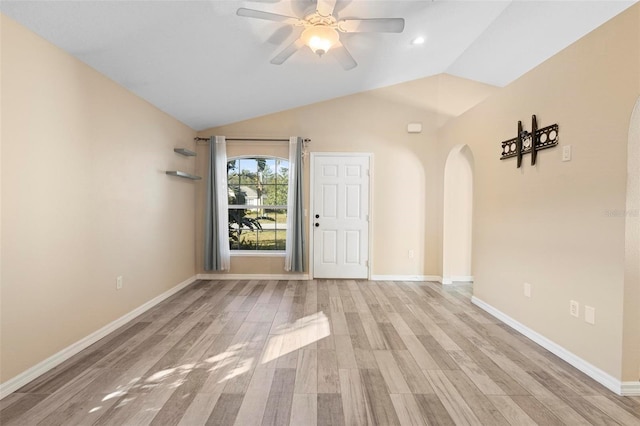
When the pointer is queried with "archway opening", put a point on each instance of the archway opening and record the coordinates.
(457, 216)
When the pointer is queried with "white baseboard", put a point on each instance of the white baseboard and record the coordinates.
(39, 369)
(457, 279)
(602, 377)
(630, 388)
(294, 277)
(406, 278)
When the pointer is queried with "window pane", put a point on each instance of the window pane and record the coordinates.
(243, 194)
(255, 182)
(282, 171)
(257, 229)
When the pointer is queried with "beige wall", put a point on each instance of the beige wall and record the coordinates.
(631, 330)
(404, 184)
(84, 199)
(554, 225)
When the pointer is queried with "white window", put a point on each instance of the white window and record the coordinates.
(258, 188)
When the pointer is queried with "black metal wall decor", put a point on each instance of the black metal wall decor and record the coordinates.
(530, 143)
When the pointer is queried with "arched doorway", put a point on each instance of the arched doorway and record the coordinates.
(457, 216)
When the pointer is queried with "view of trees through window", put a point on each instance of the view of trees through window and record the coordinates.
(258, 189)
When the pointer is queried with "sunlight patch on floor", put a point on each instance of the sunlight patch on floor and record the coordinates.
(291, 337)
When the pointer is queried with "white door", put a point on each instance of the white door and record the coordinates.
(340, 216)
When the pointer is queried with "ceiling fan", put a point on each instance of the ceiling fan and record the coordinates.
(322, 31)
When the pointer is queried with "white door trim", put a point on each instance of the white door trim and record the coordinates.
(311, 204)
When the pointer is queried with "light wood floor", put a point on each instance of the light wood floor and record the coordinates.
(320, 352)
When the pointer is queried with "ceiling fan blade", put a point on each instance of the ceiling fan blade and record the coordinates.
(326, 7)
(376, 25)
(287, 51)
(343, 56)
(258, 14)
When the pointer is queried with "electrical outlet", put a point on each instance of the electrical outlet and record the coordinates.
(527, 290)
(566, 153)
(119, 282)
(574, 308)
(410, 254)
(590, 314)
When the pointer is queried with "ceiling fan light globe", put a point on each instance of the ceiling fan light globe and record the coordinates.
(320, 38)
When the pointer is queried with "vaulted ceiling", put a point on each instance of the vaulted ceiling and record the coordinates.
(206, 66)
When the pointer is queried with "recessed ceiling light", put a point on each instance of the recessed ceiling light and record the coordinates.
(418, 40)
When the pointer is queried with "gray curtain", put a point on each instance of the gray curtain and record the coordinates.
(216, 239)
(295, 248)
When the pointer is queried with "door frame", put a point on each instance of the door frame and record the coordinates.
(311, 245)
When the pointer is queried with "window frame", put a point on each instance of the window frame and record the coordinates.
(257, 253)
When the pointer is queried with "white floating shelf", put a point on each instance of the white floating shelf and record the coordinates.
(182, 174)
(185, 151)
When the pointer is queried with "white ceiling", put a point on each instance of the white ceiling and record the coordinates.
(202, 64)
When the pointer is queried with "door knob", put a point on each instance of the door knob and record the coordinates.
(317, 224)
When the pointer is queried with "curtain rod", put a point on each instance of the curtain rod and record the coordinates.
(198, 139)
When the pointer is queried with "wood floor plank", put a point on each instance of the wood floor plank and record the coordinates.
(381, 410)
(360, 302)
(199, 410)
(481, 406)
(237, 381)
(345, 353)
(374, 335)
(391, 372)
(52, 402)
(55, 381)
(328, 377)
(423, 358)
(175, 407)
(476, 374)
(304, 409)
(330, 411)
(536, 410)
(266, 294)
(288, 360)
(311, 299)
(339, 324)
(255, 400)
(511, 411)
(433, 410)
(399, 324)
(262, 312)
(307, 372)
(335, 304)
(391, 337)
(353, 397)
(451, 399)
(630, 404)
(278, 408)
(407, 410)
(136, 409)
(17, 407)
(326, 352)
(10, 400)
(412, 373)
(225, 411)
(590, 412)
